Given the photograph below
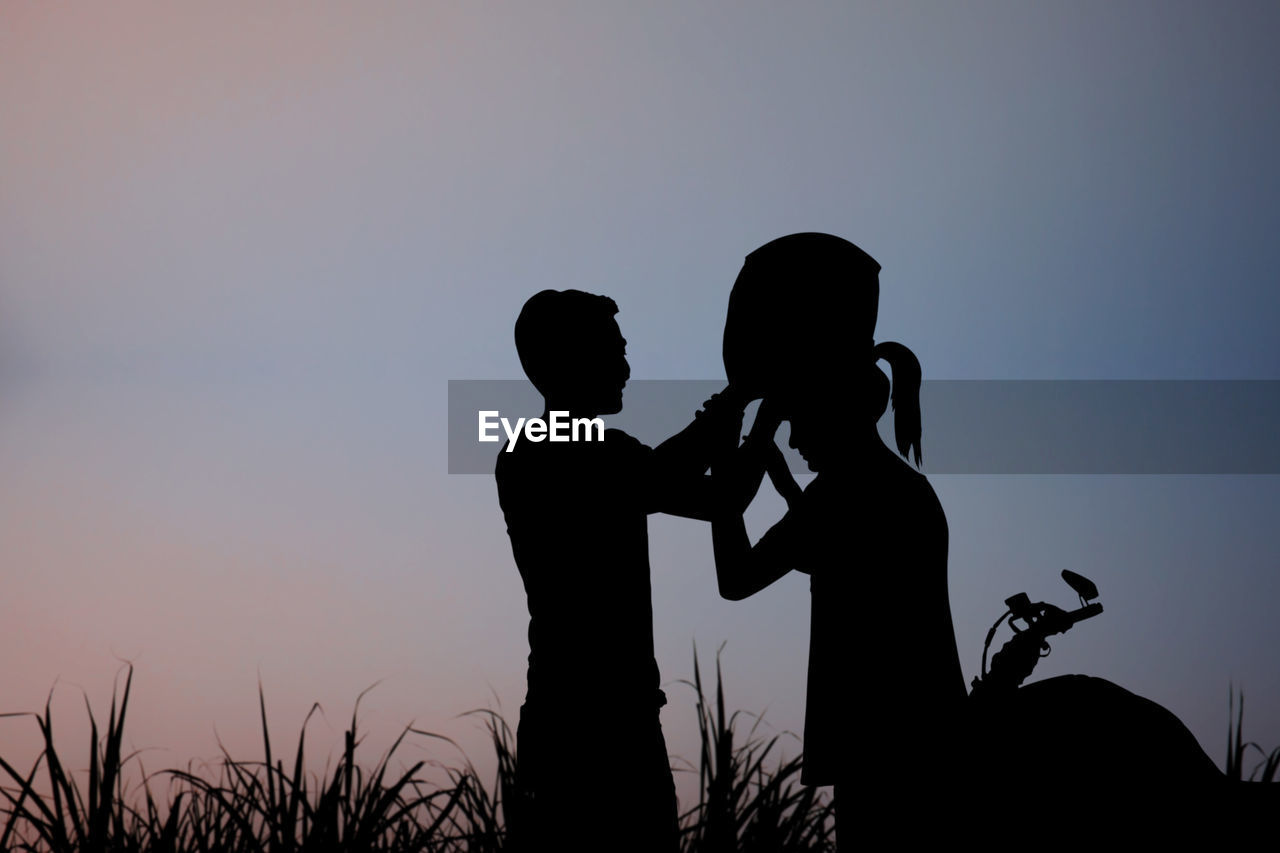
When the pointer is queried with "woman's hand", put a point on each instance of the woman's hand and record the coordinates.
(768, 419)
(736, 471)
(780, 475)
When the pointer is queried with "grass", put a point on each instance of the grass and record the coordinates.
(272, 805)
(248, 805)
(750, 799)
(67, 818)
(745, 803)
(1267, 768)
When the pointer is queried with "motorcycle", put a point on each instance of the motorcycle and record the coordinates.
(1081, 732)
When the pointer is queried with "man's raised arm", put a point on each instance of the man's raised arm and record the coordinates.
(681, 486)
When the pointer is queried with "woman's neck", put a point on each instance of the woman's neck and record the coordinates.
(861, 451)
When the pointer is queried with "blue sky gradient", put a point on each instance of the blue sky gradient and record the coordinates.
(244, 248)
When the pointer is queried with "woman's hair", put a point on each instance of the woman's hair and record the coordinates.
(905, 395)
(806, 305)
(800, 302)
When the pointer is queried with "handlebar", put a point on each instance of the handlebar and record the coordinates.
(1087, 612)
(1017, 658)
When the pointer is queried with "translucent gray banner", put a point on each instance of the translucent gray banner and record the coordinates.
(971, 426)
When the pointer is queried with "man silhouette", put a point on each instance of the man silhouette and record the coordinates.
(592, 761)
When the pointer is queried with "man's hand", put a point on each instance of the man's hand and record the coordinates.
(681, 462)
(721, 417)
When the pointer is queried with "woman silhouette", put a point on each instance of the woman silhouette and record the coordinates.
(885, 688)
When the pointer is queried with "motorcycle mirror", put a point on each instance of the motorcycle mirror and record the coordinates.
(1084, 587)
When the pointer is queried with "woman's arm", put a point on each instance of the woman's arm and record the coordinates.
(743, 570)
(780, 475)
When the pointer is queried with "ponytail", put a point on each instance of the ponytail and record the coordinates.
(905, 395)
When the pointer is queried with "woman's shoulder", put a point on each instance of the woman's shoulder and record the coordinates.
(903, 474)
(889, 488)
(916, 489)
(887, 479)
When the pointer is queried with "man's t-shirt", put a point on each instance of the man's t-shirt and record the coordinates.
(576, 513)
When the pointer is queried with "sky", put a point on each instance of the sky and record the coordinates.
(244, 247)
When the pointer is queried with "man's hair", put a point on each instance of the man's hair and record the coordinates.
(550, 329)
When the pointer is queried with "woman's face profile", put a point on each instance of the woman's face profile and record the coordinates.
(803, 441)
(828, 423)
(816, 435)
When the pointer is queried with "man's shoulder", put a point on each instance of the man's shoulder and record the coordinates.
(619, 440)
(507, 461)
(517, 470)
(527, 459)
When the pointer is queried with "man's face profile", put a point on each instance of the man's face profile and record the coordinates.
(602, 368)
(591, 370)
